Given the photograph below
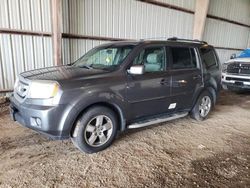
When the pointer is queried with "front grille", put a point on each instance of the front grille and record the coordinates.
(22, 89)
(238, 68)
(238, 79)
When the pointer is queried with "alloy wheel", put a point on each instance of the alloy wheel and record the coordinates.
(98, 130)
(205, 106)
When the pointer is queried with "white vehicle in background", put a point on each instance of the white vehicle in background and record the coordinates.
(236, 72)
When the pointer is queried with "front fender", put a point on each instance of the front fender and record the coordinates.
(81, 102)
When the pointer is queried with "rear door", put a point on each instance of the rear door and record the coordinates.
(149, 93)
(186, 76)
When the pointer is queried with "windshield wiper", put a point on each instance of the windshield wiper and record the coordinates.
(86, 66)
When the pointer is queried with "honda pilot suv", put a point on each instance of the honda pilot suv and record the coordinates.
(118, 86)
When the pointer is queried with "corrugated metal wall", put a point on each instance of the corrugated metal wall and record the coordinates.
(224, 34)
(128, 19)
(19, 53)
(237, 10)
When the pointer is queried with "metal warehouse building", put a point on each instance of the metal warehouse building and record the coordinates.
(30, 37)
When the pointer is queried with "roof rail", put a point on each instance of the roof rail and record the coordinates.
(155, 38)
(186, 40)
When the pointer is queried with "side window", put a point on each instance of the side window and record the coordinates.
(208, 57)
(152, 58)
(183, 58)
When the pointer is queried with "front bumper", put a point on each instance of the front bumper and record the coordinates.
(48, 120)
(230, 81)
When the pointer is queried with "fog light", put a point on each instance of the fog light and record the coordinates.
(36, 122)
(39, 122)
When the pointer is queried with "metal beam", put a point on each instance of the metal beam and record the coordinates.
(200, 16)
(227, 20)
(57, 31)
(167, 5)
(87, 37)
(6, 90)
(24, 32)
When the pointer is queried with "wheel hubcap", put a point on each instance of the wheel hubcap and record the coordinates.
(98, 130)
(205, 106)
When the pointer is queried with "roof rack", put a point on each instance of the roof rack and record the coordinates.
(155, 38)
(186, 40)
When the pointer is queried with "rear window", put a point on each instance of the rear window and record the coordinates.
(208, 57)
(183, 58)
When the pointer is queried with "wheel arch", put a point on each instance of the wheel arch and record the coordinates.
(211, 89)
(114, 107)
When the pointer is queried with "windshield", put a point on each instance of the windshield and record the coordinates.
(104, 58)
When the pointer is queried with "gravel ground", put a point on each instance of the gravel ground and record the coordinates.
(180, 153)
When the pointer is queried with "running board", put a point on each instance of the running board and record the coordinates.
(156, 120)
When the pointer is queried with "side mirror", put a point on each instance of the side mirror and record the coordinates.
(233, 56)
(136, 69)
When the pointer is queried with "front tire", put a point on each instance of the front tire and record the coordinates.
(95, 130)
(202, 107)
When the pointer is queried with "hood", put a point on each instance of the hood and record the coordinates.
(240, 60)
(59, 73)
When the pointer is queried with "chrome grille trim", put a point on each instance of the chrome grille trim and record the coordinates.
(22, 89)
(239, 68)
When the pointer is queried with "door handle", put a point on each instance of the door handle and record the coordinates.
(182, 81)
(163, 82)
(197, 77)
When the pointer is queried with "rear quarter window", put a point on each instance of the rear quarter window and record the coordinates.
(209, 58)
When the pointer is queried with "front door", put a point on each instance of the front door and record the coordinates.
(149, 93)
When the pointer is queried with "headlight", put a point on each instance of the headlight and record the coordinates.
(43, 90)
(224, 67)
(16, 83)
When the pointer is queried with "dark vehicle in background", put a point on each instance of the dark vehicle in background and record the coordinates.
(118, 86)
(236, 72)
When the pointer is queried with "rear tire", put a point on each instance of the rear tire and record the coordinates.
(95, 130)
(203, 106)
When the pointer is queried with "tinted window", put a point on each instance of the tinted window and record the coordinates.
(208, 57)
(152, 58)
(182, 58)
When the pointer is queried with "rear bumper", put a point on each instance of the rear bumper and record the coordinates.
(235, 81)
(48, 120)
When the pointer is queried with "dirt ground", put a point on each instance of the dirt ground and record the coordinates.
(180, 153)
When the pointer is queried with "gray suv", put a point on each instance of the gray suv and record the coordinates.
(118, 86)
